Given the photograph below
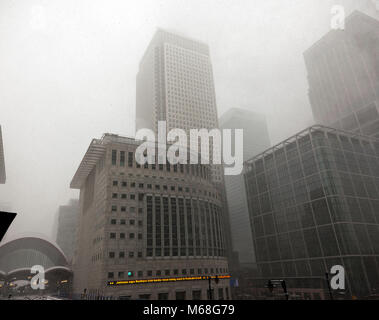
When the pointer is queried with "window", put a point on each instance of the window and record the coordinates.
(113, 221)
(115, 183)
(163, 296)
(121, 254)
(220, 294)
(196, 295)
(181, 295)
(114, 208)
(130, 159)
(122, 158)
(121, 274)
(123, 196)
(111, 254)
(114, 157)
(112, 235)
(110, 275)
(114, 195)
(122, 235)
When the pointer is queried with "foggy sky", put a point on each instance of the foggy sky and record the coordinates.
(68, 68)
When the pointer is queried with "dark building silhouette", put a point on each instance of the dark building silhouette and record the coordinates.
(67, 226)
(255, 140)
(343, 76)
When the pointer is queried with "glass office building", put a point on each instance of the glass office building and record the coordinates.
(343, 76)
(314, 203)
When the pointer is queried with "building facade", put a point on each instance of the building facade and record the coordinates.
(147, 232)
(66, 229)
(314, 203)
(175, 84)
(255, 140)
(2, 161)
(343, 76)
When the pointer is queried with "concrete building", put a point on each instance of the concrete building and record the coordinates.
(343, 76)
(175, 84)
(314, 203)
(2, 161)
(146, 232)
(66, 227)
(255, 140)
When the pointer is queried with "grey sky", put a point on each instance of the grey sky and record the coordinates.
(67, 75)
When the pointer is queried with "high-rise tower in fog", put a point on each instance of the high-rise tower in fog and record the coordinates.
(255, 140)
(175, 84)
(343, 76)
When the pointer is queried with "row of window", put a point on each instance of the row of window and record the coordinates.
(123, 222)
(181, 295)
(122, 235)
(115, 183)
(167, 272)
(114, 208)
(197, 170)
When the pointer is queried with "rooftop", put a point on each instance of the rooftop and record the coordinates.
(308, 131)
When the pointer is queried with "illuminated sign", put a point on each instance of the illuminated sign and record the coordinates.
(156, 280)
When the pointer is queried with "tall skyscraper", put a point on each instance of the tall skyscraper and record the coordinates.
(66, 227)
(343, 76)
(314, 203)
(175, 84)
(147, 232)
(2, 161)
(255, 140)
